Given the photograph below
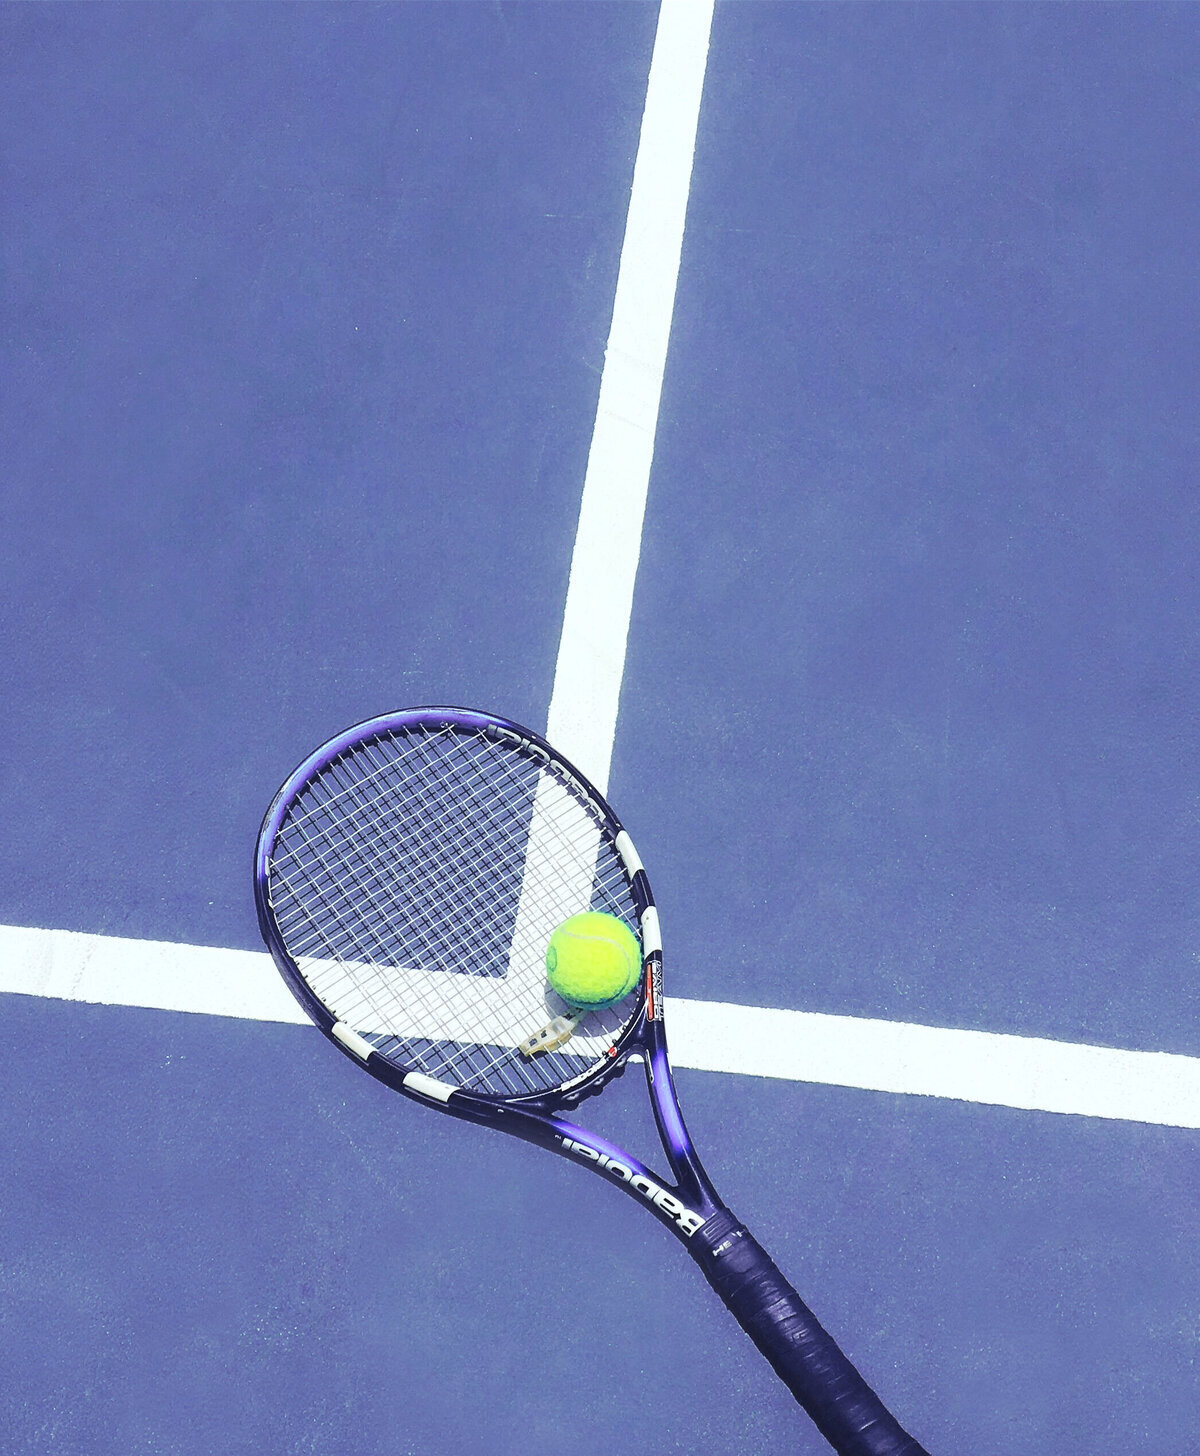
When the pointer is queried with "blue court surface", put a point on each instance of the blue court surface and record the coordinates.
(305, 314)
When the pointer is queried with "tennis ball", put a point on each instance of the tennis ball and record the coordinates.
(593, 960)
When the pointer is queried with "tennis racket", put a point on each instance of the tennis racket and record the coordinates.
(408, 877)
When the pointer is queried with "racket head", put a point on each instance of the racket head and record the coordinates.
(408, 876)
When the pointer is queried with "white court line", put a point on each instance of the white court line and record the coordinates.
(1028, 1073)
(582, 718)
(1008, 1071)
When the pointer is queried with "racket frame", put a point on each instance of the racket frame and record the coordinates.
(683, 1206)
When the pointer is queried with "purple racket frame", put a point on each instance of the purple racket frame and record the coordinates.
(842, 1405)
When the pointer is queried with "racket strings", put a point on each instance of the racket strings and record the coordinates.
(344, 870)
(374, 938)
(354, 996)
(494, 1062)
(416, 882)
(495, 854)
(464, 1060)
(327, 847)
(341, 864)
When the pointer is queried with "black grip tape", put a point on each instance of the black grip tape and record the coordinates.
(843, 1406)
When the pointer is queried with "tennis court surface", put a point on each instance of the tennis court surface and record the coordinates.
(789, 410)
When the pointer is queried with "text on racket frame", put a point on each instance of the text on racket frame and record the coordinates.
(688, 1220)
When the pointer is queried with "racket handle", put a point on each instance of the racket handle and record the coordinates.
(843, 1406)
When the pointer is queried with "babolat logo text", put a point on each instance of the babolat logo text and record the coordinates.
(688, 1221)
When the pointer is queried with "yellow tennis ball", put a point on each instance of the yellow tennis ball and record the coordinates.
(593, 960)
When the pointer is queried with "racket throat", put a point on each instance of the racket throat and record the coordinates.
(685, 1165)
(669, 1204)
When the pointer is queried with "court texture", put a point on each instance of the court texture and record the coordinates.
(790, 410)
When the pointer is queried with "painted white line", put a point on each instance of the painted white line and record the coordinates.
(591, 656)
(111, 970)
(1029, 1073)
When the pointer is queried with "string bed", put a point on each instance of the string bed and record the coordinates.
(416, 882)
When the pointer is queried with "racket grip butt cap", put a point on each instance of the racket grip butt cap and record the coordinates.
(843, 1406)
